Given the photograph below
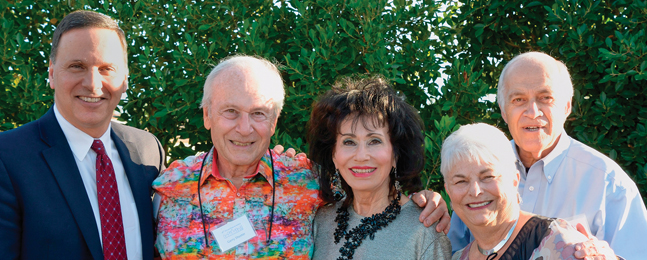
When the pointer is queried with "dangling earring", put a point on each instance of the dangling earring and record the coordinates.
(335, 186)
(518, 198)
(398, 188)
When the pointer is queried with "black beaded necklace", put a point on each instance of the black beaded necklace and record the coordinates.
(368, 227)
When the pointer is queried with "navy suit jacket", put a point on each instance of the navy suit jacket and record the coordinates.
(45, 212)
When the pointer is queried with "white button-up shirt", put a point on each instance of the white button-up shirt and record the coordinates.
(575, 180)
(85, 158)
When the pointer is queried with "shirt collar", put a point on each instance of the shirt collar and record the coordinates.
(80, 142)
(264, 167)
(552, 160)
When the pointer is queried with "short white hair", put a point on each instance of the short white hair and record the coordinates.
(478, 142)
(255, 64)
(560, 75)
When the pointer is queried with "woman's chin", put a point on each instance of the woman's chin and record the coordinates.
(478, 220)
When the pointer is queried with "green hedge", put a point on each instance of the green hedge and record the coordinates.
(174, 44)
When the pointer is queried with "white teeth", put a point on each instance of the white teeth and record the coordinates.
(89, 99)
(532, 128)
(479, 204)
(241, 144)
(363, 170)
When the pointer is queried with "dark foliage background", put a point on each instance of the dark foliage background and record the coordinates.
(174, 44)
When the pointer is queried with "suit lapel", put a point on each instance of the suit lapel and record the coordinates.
(140, 189)
(61, 161)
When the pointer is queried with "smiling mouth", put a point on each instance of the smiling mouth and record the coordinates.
(241, 144)
(90, 99)
(532, 128)
(478, 205)
(363, 170)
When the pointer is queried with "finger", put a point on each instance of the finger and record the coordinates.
(580, 252)
(278, 149)
(290, 152)
(582, 230)
(434, 209)
(444, 223)
(593, 249)
(435, 216)
(421, 201)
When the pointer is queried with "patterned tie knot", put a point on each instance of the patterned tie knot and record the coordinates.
(97, 147)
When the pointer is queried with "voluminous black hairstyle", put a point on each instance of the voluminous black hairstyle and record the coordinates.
(85, 19)
(367, 101)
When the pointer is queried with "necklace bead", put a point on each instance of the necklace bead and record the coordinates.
(367, 227)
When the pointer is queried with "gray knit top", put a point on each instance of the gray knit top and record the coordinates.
(404, 238)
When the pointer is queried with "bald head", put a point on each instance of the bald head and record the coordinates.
(535, 63)
(258, 72)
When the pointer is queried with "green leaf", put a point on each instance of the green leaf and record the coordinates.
(204, 27)
(534, 3)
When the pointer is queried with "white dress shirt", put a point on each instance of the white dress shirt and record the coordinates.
(575, 180)
(85, 158)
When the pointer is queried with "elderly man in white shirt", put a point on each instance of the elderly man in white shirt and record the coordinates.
(561, 177)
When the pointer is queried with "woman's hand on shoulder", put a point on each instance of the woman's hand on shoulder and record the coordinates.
(592, 249)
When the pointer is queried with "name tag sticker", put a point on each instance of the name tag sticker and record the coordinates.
(233, 233)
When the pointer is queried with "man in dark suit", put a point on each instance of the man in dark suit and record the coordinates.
(73, 185)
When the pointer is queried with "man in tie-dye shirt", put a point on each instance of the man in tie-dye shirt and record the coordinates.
(241, 177)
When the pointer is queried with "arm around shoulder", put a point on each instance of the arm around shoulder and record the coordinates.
(560, 241)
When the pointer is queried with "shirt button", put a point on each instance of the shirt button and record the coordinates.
(531, 188)
(550, 177)
(238, 194)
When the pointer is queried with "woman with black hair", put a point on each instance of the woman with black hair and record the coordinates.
(368, 145)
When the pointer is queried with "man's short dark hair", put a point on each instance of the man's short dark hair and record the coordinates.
(372, 102)
(86, 19)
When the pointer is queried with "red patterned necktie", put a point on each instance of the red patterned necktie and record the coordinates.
(112, 227)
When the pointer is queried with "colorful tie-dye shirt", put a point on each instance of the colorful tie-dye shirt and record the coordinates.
(180, 233)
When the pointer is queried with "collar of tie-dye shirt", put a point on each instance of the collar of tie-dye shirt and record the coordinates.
(180, 233)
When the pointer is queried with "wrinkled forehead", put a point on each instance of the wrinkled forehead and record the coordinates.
(478, 160)
(477, 171)
(468, 166)
(254, 78)
(241, 84)
(536, 75)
